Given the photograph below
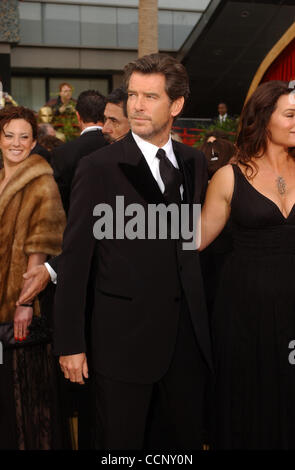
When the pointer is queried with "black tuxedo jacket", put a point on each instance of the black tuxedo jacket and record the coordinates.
(138, 283)
(65, 158)
(40, 150)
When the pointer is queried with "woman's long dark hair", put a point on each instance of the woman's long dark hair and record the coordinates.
(253, 133)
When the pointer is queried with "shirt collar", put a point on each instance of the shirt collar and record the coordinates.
(91, 128)
(150, 150)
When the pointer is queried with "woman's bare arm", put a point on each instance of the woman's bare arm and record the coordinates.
(216, 209)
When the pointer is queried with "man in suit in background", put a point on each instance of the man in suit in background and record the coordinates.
(116, 124)
(222, 112)
(64, 160)
(151, 346)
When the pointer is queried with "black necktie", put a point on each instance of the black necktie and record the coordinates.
(171, 176)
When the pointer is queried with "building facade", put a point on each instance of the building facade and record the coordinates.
(86, 43)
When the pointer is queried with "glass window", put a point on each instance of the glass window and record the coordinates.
(98, 27)
(183, 23)
(28, 91)
(30, 23)
(127, 28)
(193, 5)
(165, 30)
(62, 25)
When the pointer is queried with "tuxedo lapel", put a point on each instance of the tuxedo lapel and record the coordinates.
(137, 171)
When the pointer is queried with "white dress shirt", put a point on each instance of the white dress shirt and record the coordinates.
(149, 152)
(91, 128)
(222, 118)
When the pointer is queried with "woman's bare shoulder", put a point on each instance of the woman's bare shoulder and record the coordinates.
(223, 181)
(223, 175)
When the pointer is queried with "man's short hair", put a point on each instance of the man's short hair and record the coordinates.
(90, 106)
(177, 83)
(119, 96)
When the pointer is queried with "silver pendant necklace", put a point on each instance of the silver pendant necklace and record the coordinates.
(281, 184)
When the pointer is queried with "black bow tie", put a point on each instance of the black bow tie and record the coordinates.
(171, 176)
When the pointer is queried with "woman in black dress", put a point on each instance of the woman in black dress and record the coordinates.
(254, 315)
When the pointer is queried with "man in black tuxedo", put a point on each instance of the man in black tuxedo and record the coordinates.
(150, 336)
(64, 160)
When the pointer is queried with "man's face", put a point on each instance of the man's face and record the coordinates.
(222, 109)
(150, 111)
(116, 125)
(66, 93)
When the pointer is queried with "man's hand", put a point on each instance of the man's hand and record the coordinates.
(38, 278)
(74, 367)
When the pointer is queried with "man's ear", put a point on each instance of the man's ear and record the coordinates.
(177, 106)
(78, 117)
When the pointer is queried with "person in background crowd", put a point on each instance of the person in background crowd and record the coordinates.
(116, 124)
(64, 115)
(222, 112)
(218, 152)
(50, 142)
(45, 129)
(253, 319)
(90, 108)
(64, 102)
(32, 221)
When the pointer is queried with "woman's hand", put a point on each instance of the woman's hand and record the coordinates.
(22, 320)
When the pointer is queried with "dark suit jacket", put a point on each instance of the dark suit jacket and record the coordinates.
(65, 158)
(138, 283)
(40, 150)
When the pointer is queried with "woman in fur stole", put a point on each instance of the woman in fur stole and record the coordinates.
(32, 221)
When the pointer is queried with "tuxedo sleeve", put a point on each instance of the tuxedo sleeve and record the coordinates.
(53, 262)
(74, 263)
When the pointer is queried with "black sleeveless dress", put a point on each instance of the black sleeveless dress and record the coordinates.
(253, 325)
